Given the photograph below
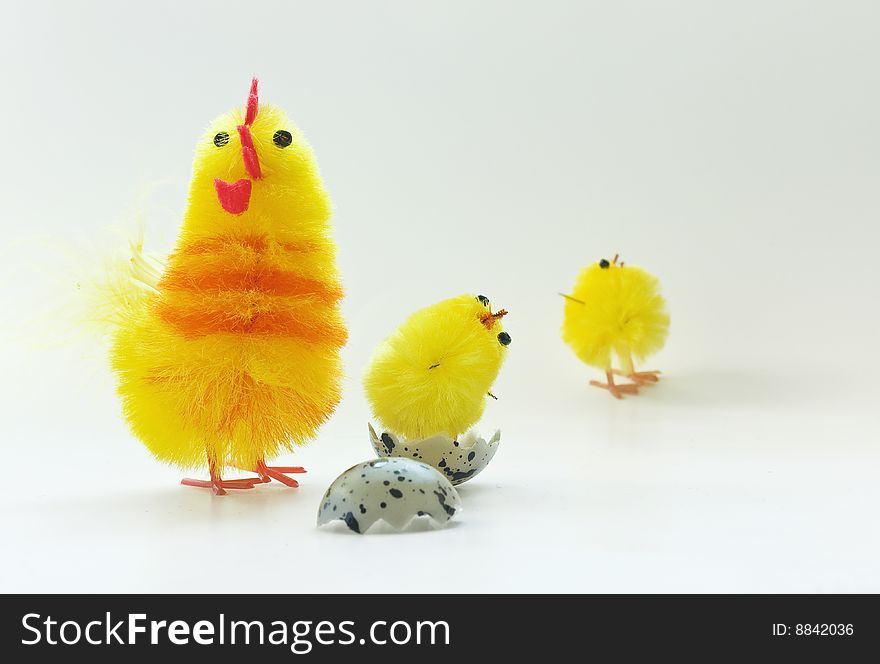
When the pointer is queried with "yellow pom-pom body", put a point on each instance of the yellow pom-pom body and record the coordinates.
(233, 354)
(615, 310)
(433, 374)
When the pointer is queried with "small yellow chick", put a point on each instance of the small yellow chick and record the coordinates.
(433, 374)
(616, 310)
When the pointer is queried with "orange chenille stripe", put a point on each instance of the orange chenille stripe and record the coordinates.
(200, 323)
(265, 280)
(258, 243)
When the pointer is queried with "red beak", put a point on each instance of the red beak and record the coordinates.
(234, 197)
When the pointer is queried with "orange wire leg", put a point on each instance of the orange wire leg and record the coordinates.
(617, 391)
(277, 473)
(217, 483)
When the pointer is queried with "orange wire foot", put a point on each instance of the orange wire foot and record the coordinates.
(617, 391)
(278, 473)
(640, 377)
(219, 485)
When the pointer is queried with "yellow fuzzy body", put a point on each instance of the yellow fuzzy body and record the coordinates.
(615, 310)
(232, 355)
(433, 374)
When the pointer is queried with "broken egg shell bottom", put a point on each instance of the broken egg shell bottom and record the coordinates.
(392, 490)
(459, 460)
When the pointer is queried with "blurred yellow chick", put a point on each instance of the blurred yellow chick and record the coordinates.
(616, 310)
(434, 373)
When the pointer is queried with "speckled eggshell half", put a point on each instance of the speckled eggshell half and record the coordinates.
(393, 490)
(459, 460)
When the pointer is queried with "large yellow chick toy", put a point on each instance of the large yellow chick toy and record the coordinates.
(229, 355)
(433, 375)
(616, 310)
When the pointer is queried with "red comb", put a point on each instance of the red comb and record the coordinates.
(252, 104)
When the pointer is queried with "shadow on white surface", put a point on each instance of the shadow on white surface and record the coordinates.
(169, 508)
(416, 526)
(734, 388)
(473, 490)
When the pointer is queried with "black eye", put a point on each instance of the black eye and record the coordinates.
(504, 338)
(604, 264)
(221, 139)
(484, 300)
(282, 138)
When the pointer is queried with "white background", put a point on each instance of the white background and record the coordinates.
(731, 148)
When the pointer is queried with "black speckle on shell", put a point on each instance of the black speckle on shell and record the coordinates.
(351, 522)
(441, 498)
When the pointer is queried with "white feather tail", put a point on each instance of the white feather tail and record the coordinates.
(121, 293)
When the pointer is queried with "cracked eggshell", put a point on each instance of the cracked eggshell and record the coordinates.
(459, 460)
(393, 490)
